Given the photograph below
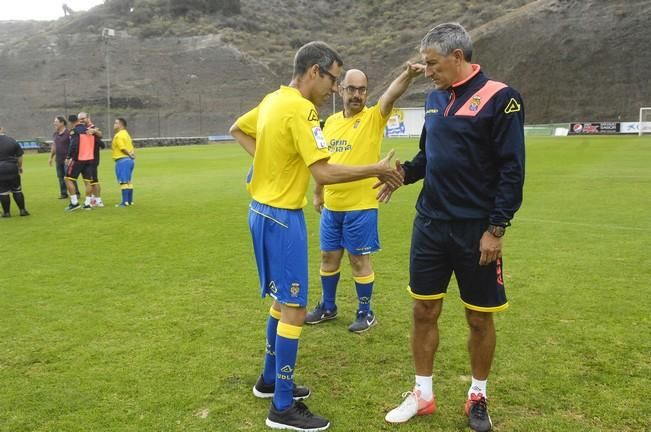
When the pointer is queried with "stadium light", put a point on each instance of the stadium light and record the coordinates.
(191, 78)
(108, 33)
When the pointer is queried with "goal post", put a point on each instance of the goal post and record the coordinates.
(644, 125)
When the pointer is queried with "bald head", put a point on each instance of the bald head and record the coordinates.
(353, 91)
(355, 77)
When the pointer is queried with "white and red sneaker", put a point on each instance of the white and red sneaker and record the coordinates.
(413, 405)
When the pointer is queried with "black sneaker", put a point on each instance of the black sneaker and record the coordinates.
(24, 212)
(265, 391)
(72, 207)
(6, 214)
(477, 411)
(363, 322)
(63, 196)
(296, 417)
(320, 314)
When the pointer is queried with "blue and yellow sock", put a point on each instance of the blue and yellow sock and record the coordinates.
(130, 193)
(125, 195)
(329, 282)
(269, 371)
(364, 287)
(286, 352)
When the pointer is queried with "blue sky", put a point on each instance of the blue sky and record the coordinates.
(41, 9)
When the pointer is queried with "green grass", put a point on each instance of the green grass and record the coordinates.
(149, 319)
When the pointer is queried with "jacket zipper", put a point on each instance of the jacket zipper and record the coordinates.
(452, 99)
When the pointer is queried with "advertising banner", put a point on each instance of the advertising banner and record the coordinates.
(594, 128)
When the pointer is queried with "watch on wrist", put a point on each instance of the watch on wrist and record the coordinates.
(496, 230)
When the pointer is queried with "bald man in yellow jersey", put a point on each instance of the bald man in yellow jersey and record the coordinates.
(349, 211)
(283, 135)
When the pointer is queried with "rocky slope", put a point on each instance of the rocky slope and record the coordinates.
(571, 60)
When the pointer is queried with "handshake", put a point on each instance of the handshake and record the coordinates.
(391, 179)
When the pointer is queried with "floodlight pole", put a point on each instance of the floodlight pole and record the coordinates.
(65, 97)
(106, 34)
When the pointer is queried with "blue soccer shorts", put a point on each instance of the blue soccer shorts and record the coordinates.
(280, 246)
(440, 248)
(356, 231)
(124, 170)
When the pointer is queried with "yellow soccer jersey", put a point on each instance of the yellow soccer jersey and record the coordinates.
(121, 141)
(288, 140)
(354, 141)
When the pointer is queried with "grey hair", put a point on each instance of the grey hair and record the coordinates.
(448, 37)
(315, 52)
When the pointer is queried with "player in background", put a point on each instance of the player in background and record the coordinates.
(11, 169)
(96, 196)
(123, 155)
(349, 211)
(60, 144)
(81, 159)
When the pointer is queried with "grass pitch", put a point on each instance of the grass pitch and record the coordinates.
(149, 319)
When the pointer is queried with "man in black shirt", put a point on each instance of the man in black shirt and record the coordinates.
(60, 144)
(11, 166)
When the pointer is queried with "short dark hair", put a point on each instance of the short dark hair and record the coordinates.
(123, 122)
(315, 52)
(73, 118)
(62, 119)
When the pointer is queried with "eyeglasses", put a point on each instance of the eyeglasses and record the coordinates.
(351, 90)
(332, 77)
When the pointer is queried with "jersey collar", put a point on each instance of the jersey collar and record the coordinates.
(356, 115)
(475, 70)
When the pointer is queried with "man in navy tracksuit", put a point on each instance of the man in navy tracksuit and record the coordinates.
(471, 161)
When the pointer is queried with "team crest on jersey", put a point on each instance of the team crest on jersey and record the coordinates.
(474, 103)
(512, 106)
(295, 289)
(357, 122)
(319, 138)
(313, 116)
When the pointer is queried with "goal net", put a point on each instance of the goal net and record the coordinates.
(645, 121)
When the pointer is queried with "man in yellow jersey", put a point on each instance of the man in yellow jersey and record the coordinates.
(283, 135)
(123, 155)
(349, 211)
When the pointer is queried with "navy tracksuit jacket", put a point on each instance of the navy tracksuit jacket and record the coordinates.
(471, 152)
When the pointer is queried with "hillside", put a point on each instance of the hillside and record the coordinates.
(192, 75)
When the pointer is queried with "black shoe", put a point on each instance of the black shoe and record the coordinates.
(72, 207)
(296, 417)
(265, 391)
(477, 412)
(363, 322)
(24, 212)
(7, 214)
(320, 314)
(63, 196)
